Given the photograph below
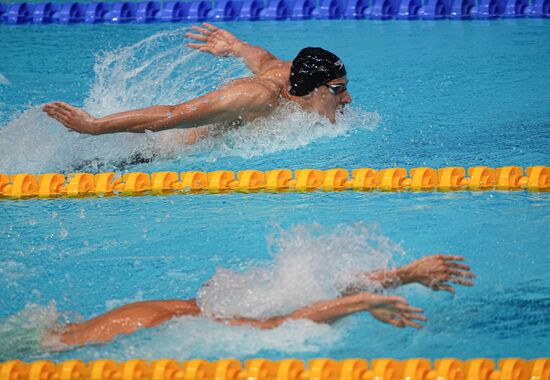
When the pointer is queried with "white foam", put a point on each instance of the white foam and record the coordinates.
(160, 69)
(310, 264)
(199, 337)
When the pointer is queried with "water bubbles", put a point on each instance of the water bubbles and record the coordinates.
(63, 233)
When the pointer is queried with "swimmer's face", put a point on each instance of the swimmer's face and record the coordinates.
(331, 98)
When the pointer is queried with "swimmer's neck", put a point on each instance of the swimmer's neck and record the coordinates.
(305, 102)
(302, 101)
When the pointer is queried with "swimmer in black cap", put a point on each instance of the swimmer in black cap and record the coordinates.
(316, 80)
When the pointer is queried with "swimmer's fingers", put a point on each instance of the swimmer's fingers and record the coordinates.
(210, 26)
(204, 31)
(201, 47)
(198, 37)
(462, 274)
(57, 111)
(409, 309)
(451, 257)
(458, 266)
(443, 286)
(461, 281)
(396, 322)
(410, 322)
(418, 317)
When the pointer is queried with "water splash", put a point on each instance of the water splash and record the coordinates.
(21, 334)
(288, 127)
(160, 69)
(310, 264)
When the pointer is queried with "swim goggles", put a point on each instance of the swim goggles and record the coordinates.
(336, 89)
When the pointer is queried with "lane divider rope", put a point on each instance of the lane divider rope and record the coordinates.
(287, 369)
(17, 13)
(50, 185)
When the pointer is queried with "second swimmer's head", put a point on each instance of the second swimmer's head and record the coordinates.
(313, 67)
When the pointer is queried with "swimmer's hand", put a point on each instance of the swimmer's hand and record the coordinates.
(218, 42)
(393, 310)
(437, 271)
(72, 117)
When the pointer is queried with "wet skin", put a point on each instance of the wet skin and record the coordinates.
(243, 99)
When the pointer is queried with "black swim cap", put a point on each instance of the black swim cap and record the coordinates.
(312, 68)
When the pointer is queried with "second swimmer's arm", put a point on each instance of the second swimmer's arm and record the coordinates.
(435, 272)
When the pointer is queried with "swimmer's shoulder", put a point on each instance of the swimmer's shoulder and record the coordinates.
(261, 90)
(278, 72)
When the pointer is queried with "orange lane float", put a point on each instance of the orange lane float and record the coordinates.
(287, 369)
(453, 178)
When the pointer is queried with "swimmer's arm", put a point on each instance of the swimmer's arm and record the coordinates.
(220, 42)
(388, 309)
(125, 320)
(435, 272)
(221, 106)
(256, 58)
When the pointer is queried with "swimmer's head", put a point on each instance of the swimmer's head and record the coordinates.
(320, 76)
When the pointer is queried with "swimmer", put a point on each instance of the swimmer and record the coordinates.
(437, 272)
(315, 80)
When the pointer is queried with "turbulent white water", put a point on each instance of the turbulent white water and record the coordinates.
(157, 70)
(309, 263)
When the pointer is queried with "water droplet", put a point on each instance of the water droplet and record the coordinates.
(63, 233)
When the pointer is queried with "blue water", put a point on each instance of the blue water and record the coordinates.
(424, 94)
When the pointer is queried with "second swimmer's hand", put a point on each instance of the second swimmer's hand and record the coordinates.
(393, 310)
(216, 41)
(438, 271)
(72, 117)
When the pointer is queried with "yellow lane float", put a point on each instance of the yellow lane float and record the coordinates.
(287, 369)
(453, 178)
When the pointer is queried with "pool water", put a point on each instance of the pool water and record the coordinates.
(424, 94)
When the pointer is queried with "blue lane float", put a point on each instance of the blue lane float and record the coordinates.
(173, 11)
(96, 12)
(199, 10)
(461, 9)
(275, 10)
(356, 9)
(43, 13)
(382, 10)
(19, 13)
(147, 11)
(540, 9)
(252, 10)
(302, 10)
(409, 10)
